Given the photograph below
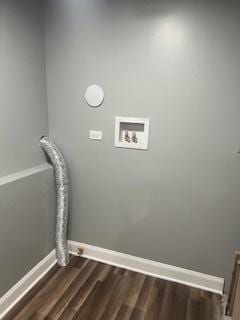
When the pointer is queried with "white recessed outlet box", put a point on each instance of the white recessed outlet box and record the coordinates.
(95, 135)
(131, 133)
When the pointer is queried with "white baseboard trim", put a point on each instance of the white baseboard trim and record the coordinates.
(149, 267)
(26, 283)
(122, 260)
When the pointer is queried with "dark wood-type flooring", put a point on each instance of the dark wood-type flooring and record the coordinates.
(87, 289)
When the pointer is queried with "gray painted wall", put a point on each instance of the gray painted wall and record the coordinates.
(26, 225)
(26, 205)
(178, 64)
(23, 106)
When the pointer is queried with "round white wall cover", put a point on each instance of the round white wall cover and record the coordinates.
(94, 95)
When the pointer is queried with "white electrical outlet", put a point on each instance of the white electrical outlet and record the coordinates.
(95, 135)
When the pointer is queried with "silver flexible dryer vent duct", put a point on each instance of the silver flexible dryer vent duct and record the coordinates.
(61, 179)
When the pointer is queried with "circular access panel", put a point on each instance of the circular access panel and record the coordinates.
(94, 95)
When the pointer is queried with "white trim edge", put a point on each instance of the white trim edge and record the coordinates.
(149, 267)
(24, 173)
(26, 283)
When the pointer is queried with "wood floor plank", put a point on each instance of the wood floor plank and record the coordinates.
(145, 298)
(132, 295)
(76, 262)
(86, 308)
(119, 270)
(180, 302)
(90, 290)
(124, 313)
(193, 307)
(146, 293)
(76, 302)
(130, 273)
(107, 289)
(195, 293)
(117, 298)
(97, 275)
(63, 302)
(39, 316)
(137, 314)
(205, 309)
(68, 314)
(28, 297)
(46, 298)
(216, 307)
(201, 309)
(168, 310)
(154, 310)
